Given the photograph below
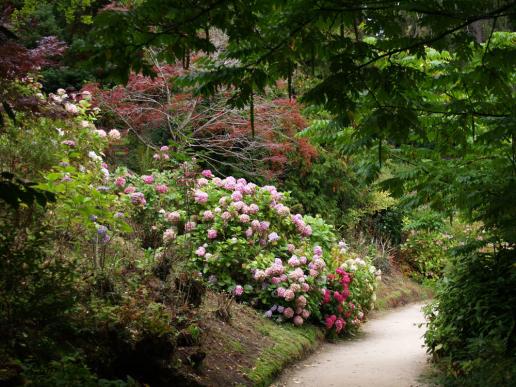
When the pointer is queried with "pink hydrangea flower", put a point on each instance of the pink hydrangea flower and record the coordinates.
(318, 250)
(238, 205)
(314, 273)
(101, 133)
(288, 312)
(200, 251)
(259, 275)
(208, 215)
(253, 208)
(173, 216)
(161, 188)
(202, 182)
(244, 218)
(295, 287)
(301, 301)
(281, 292)
(255, 224)
(249, 232)
(275, 280)
(212, 234)
(305, 287)
(264, 225)
(289, 295)
(273, 237)
(190, 226)
(305, 314)
(120, 181)
(226, 215)
(114, 134)
(200, 197)
(302, 260)
(129, 190)
(236, 196)
(298, 321)
(148, 179)
(169, 235)
(307, 231)
(207, 173)
(164, 148)
(293, 261)
(239, 290)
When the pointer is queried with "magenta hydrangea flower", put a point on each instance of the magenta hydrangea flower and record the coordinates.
(239, 290)
(212, 234)
(161, 188)
(148, 179)
(200, 197)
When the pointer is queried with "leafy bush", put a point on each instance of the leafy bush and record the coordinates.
(471, 323)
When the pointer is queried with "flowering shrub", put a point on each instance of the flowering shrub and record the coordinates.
(349, 293)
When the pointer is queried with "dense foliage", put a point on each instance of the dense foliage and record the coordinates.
(391, 123)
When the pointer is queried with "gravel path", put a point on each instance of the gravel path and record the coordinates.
(388, 353)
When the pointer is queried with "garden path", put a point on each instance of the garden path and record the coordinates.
(388, 352)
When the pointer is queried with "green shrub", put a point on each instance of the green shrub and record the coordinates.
(472, 323)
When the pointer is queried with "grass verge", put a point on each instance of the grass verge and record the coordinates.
(290, 344)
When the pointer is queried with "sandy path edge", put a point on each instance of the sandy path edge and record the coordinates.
(389, 352)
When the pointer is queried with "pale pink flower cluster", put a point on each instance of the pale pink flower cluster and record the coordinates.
(161, 188)
(114, 135)
(169, 235)
(200, 197)
(173, 216)
(304, 229)
(162, 154)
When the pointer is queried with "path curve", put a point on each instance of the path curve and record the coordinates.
(388, 353)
